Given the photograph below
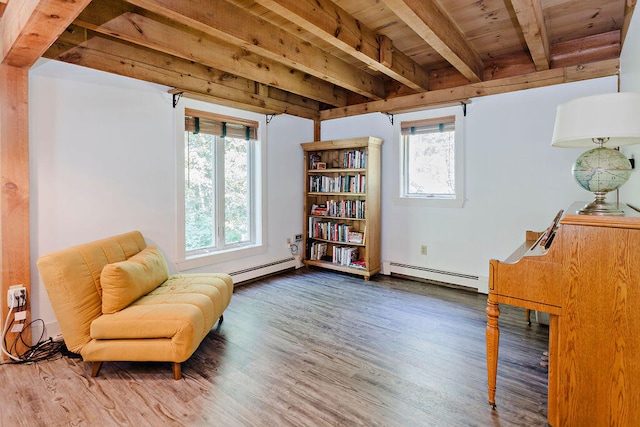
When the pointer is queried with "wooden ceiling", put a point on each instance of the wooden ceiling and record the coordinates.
(324, 59)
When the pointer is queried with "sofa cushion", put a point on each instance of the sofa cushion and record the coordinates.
(125, 281)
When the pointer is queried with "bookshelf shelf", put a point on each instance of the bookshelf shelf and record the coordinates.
(337, 193)
(342, 202)
(336, 170)
(337, 218)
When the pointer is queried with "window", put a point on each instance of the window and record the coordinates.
(431, 160)
(221, 184)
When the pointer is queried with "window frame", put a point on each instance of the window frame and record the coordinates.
(403, 197)
(187, 260)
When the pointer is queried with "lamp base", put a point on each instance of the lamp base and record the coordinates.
(600, 207)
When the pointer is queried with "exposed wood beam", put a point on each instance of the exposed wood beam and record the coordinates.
(118, 19)
(113, 56)
(312, 115)
(473, 90)
(232, 24)
(29, 27)
(431, 23)
(587, 49)
(14, 188)
(329, 22)
(629, 6)
(531, 20)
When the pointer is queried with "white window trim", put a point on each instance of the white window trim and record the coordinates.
(183, 262)
(458, 201)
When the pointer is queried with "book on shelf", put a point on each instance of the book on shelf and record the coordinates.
(345, 255)
(319, 210)
(355, 237)
(354, 159)
(339, 184)
(314, 159)
(317, 251)
(359, 264)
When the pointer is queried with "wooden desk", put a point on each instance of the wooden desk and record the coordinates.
(588, 280)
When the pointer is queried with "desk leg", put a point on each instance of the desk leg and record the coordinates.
(493, 339)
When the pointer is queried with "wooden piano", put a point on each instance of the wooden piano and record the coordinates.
(584, 271)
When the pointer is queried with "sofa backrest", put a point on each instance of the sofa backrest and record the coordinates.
(72, 279)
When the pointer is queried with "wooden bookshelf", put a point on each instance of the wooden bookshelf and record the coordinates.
(342, 205)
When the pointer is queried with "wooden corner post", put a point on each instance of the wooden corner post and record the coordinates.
(14, 190)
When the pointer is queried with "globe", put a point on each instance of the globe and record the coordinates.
(600, 171)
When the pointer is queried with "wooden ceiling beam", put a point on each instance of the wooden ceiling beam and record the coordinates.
(88, 49)
(531, 20)
(235, 25)
(117, 19)
(588, 49)
(29, 27)
(430, 22)
(326, 20)
(474, 90)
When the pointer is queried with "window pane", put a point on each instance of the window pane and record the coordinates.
(431, 164)
(199, 191)
(237, 195)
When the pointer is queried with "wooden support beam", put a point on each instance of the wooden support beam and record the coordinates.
(14, 189)
(431, 23)
(117, 19)
(235, 25)
(386, 51)
(29, 27)
(328, 21)
(531, 20)
(474, 90)
(588, 49)
(85, 48)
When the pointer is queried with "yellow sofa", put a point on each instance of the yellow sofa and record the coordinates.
(115, 301)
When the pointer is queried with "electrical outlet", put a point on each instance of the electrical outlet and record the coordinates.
(288, 241)
(16, 296)
(423, 249)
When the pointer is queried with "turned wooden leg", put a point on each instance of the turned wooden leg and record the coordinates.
(177, 371)
(95, 368)
(493, 339)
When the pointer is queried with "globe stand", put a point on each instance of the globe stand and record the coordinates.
(600, 207)
(600, 171)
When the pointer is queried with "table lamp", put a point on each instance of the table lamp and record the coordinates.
(612, 119)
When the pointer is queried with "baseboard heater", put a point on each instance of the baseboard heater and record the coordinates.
(460, 279)
(257, 271)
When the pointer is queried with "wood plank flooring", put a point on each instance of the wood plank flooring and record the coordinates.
(309, 348)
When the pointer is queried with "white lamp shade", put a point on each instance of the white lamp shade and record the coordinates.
(613, 115)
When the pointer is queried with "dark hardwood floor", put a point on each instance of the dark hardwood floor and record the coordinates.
(310, 348)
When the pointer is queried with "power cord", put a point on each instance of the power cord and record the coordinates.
(43, 350)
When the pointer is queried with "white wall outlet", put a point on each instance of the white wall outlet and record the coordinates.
(16, 296)
(423, 249)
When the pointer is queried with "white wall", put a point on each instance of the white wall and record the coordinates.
(514, 180)
(103, 163)
(630, 82)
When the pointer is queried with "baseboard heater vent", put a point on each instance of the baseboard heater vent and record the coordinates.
(432, 270)
(432, 274)
(257, 271)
